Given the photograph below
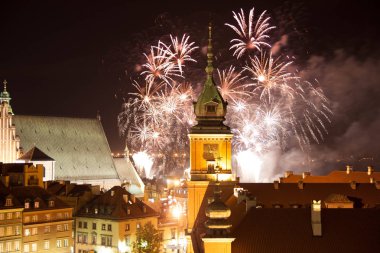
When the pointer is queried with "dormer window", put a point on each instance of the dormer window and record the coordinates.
(36, 204)
(96, 210)
(27, 205)
(51, 203)
(8, 202)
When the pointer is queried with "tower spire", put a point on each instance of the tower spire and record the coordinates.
(5, 85)
(210, 55)
(5, 97)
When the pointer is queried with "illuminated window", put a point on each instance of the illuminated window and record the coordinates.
(34, 231)
(17, 245)
(26, 247)
(65, 227)
(9, 230)
(138, 225)
(46, 244)
(36, 205)
(1, 216)
(34, 218)
(47, 229)
(1, 247)
(9, 216)
(66, 214)
(59, 228)
(127, 227)
(27, 205)
(34, 247)
(27, 232)
(51, 203)
(8, 246)
(18, 215)
(59, 243)
(65, 242)
(17, 230)
(8, 202)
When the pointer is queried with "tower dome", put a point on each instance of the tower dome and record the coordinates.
(218, 214)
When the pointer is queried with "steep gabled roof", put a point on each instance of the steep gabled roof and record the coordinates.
(129, 175)
(79, 146)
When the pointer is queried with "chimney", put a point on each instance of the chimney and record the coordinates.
(250, 202)
(125, 197)
(348, 169)
(112, 193)
(300, 185)
(288, 173)
(306, 174)
(377, 184)
(276, 184)
(370, 170)
(316, 223)
(353, 185)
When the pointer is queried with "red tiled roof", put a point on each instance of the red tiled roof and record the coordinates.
(289, 230)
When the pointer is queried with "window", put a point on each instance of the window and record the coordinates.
(1, 247)
(9, 231)
(85, 224)
(172, 231)
(93, 225)
(59, 243)
(47, 216)
(85, 238)
(26, 247)
(17, 245)
(59, 228)
(106, 240)
(127, 227)
(65, 242)
(80, 224)
(27, 205)
(8, 202)
(17, 230)
(1, 216)
(34, 231)
(1, 231)
(93, 238)
(51, 204)
(34, 247)
(9, 216)
(65, 227)
(109, 227)
(138, 225)
(66, 215)
(36, 205)
(96, 210)
(103, 226)
(46, 244)
(47, 229)
(8, 246)
(79, 238)
(34, 218)
(18, 215)
(27, 232)
(210, 108)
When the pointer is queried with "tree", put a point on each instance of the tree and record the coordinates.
(148, 240)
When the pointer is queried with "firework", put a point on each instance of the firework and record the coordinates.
(252, 35)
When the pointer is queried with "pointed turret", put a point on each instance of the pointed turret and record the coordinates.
(5, 97)
(210, 108)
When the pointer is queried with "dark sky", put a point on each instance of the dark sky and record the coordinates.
(53, 52)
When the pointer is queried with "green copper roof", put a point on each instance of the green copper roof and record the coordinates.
(210, 108)
(79, 146)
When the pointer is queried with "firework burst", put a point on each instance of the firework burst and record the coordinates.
(252, 35)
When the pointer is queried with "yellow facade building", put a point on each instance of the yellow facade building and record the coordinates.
(210, 154)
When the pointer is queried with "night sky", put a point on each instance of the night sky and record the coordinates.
(60, 58)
